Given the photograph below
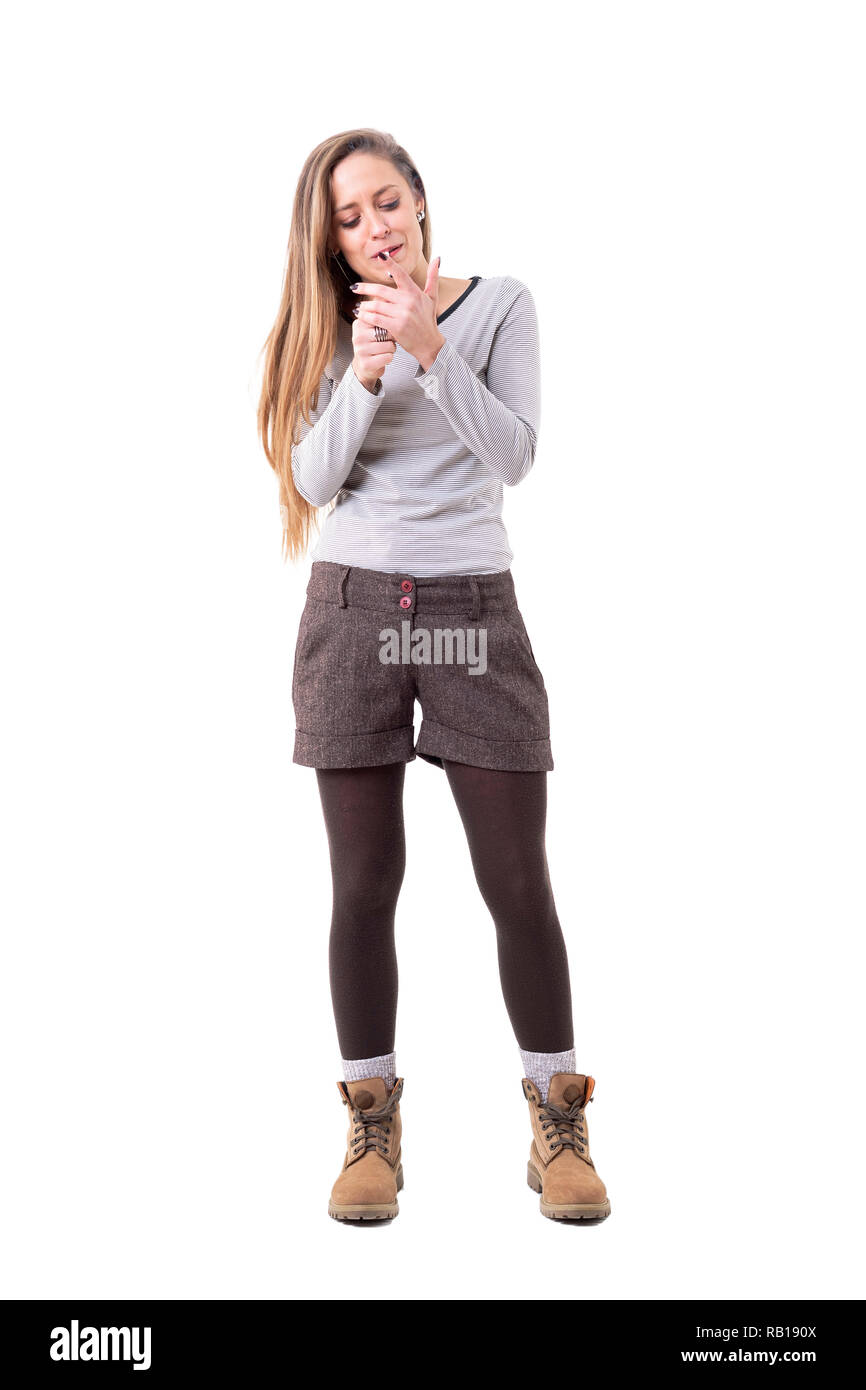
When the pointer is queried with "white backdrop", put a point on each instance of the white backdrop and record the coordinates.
(681, 187)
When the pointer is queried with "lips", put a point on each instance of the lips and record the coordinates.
(383, 255)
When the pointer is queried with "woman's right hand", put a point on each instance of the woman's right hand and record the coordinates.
(371, 357)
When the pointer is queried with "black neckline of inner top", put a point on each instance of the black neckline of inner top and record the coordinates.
(458, 302)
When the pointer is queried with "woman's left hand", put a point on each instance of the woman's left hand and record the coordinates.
(408, 314)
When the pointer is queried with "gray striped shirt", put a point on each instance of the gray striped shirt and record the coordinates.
(418, 469)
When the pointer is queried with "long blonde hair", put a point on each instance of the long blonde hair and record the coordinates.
(304, 337)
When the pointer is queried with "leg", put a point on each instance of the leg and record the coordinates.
(363, 808)
(504, 815)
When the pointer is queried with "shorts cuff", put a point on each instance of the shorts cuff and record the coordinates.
(354, 750)
(437, 741)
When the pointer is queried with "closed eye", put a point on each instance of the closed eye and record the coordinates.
(386, 207)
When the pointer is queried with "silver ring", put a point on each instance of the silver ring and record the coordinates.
(382, 335)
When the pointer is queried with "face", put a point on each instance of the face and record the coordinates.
(375, 209)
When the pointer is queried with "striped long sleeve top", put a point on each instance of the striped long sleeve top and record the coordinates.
(418, 468)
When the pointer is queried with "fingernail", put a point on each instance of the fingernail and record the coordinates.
(355, 286)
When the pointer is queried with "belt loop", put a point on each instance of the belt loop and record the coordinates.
(476, 599)
(342, 588)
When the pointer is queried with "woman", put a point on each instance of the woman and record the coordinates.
(408, 401)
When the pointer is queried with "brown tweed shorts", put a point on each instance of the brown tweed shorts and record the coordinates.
(370, 643)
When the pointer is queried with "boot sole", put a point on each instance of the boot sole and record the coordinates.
(571, 1211)
(368, 1211)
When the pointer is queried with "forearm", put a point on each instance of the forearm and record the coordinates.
(501, 438)
(326, 453)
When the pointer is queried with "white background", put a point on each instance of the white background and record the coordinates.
(681, 187)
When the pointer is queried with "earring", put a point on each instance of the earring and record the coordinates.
(421, 216)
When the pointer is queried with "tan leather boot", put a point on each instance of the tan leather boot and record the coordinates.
(372, 1175)
(560, 1167)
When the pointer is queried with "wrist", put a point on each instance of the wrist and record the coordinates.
(372, 385)
(428, 357)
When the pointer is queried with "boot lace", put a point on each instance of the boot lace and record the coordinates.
(566, 1126)
(371, 1126)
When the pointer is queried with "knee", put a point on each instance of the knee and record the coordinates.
(520, 887)
(363, 895)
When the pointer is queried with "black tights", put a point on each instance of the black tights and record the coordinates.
(504, 816)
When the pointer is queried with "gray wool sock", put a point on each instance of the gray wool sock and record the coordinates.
(360, 1068)
(539, 1067)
